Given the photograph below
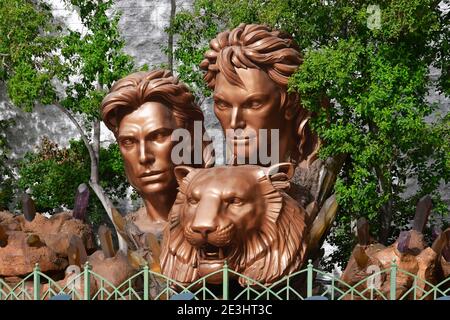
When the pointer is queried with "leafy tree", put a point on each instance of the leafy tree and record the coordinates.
(53, 174)
(40, 56)
(377, 78)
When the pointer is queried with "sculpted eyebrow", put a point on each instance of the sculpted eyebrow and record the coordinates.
(218, 97)
(255, 96)
(126, 135)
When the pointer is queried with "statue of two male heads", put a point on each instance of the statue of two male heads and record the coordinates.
(248, 69)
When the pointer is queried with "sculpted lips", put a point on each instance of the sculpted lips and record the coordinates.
(150, 176)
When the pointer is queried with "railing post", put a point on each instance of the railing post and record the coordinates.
(309, 279)
(225, 281)
(87, 281)
(36, 282)
(393, 286)
(146, 274)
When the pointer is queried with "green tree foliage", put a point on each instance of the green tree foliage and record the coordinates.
(193, 31)
(96, 58)
(52, 174)
(44, 62)
(36, 51)
(377, 79)
(26, 45)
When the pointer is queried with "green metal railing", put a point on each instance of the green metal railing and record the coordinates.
(149, 285)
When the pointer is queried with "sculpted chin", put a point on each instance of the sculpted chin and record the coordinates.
(241, 215)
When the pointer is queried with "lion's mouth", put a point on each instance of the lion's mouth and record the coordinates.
(210, 252)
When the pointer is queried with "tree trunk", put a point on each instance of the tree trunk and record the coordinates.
(385, 188)
(173, 7)
(107, 205)
(386, 219)
(96, 151)
(386, 209)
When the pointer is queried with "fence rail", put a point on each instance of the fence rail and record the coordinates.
(149, 285)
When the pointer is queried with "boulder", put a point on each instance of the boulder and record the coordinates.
(71, 284)
(116, 269)
(8, 221)
(17, 258)
(57, 230)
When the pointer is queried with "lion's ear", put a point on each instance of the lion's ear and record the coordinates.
(181, 172)
(280, 175)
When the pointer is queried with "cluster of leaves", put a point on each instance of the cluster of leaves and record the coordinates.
(193, 31)
(53, 175)
(26, 47)
(35, 50)
(96, 58)
(377, 79)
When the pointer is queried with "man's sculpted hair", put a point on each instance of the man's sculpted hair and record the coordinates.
(273, 51)
(129, 93)
(251, 46)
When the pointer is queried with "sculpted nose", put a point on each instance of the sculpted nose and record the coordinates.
(145, 154)
(205, 220)
(236, 119)
(204, 230)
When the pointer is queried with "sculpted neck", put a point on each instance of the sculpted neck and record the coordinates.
(158, 205)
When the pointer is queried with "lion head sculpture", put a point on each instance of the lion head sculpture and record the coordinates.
(237, 214)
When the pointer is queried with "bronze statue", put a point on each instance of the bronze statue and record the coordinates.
(248, 68)
(142, 110)
(238, 214)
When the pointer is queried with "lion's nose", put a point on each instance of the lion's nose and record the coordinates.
(203, 229)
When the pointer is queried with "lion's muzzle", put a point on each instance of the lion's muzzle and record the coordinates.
(215, 236)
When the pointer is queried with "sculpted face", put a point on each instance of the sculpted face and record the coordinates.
(237, 194)
(237, 214)
(247, 110)
(214, 217)
(145, 145)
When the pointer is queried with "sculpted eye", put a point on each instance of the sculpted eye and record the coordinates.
(161, 135)
(235, 201)
(127, 142)
(256, 104)
(221, 105)
(192, 201)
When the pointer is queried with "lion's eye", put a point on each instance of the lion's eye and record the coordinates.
(192, 201)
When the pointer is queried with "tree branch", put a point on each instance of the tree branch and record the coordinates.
(80, 130)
